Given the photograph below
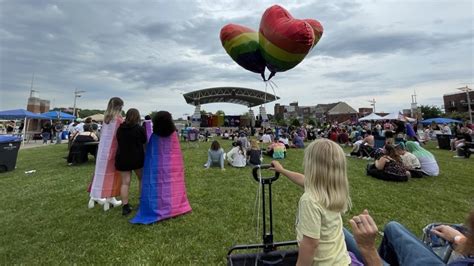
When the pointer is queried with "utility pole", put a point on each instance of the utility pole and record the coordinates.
(372, 103)
(467, 90)
(77, 94)
(414, 105)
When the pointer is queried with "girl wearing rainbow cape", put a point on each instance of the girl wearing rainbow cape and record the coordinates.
(106, 182)
(163, 193)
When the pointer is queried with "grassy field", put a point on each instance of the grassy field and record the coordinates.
(45, 219)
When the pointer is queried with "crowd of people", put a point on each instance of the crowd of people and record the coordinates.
(319, 228)
(151, 150)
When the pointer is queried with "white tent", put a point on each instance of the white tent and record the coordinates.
(372, 116)
(97, 117)
(394, 116)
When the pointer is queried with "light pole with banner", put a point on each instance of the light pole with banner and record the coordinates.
(77, 94)
(467, 90)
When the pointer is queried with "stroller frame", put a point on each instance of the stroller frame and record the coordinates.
(269, 247)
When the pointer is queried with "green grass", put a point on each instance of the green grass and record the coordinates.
(45, 219)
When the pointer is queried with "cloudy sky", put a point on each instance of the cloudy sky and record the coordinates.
(150, 52)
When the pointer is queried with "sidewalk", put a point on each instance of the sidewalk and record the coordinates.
(39, 143)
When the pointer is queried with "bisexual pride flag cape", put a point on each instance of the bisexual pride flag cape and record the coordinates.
(107, 181)
(163, 188)
(148, 125)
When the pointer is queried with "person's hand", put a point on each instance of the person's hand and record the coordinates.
(446, 232)
(365, 231)
(277, 167)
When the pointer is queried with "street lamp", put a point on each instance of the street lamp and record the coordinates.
(77, 94)
(467, 90)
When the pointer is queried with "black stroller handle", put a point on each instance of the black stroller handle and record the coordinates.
(264, 179)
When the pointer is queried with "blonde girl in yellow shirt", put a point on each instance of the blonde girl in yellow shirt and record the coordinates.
(319, 228)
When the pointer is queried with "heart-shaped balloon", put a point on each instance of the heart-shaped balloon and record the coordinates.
(241, 43)
(284, 40)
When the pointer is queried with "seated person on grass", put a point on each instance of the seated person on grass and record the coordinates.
(276, 150)
(215, 156)
(254, 154)
(297, 142)
(409, 160)
(388, 166)
(236, 156)
(428, 162)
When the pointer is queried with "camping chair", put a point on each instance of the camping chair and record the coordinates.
(468, 149)
(270, 254)
(379, 142)
(441, 247)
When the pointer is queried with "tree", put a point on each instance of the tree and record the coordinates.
(430, 111)
(220, 112)
(295, 123)
(311, 122)
(83, 113)
(457, 115)
(203, 112)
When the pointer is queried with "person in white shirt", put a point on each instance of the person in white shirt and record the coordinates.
(266, 138)
(237, 156)
(446, 130)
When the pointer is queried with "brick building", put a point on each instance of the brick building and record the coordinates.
(457, 102)
(339, 111)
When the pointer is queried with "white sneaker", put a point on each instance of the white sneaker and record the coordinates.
(348, 154)
(458, 157)
(114, 201)
(91, 203)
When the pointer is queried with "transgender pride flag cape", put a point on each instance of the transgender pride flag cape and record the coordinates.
(163, 188)
(107, 181)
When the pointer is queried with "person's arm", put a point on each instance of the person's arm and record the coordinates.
(295, 177)
(94, 136)
(365, 231)
(221, 159)
(380, 163)
(306, 251)
(450, 234)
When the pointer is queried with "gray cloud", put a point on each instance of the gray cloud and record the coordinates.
(163, 48)
(360, 40)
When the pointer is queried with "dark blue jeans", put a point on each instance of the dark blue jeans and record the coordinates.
(399, 247)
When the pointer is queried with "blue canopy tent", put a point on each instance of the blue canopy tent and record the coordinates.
(440, 120)
(21, 114)
(58, 115)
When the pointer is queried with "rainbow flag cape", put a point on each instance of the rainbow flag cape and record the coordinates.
(107, 181)
(163, 187)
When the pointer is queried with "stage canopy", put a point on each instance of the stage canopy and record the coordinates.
(18, 114)
(244, 96)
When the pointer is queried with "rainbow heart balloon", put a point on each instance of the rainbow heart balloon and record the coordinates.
(241, 43)
(281, 43)
(284, 40)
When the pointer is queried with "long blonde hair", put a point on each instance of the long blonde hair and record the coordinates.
(114, 108)
(254, 144)
(326, 175)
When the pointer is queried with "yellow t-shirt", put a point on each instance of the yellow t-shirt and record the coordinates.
(313, 220)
